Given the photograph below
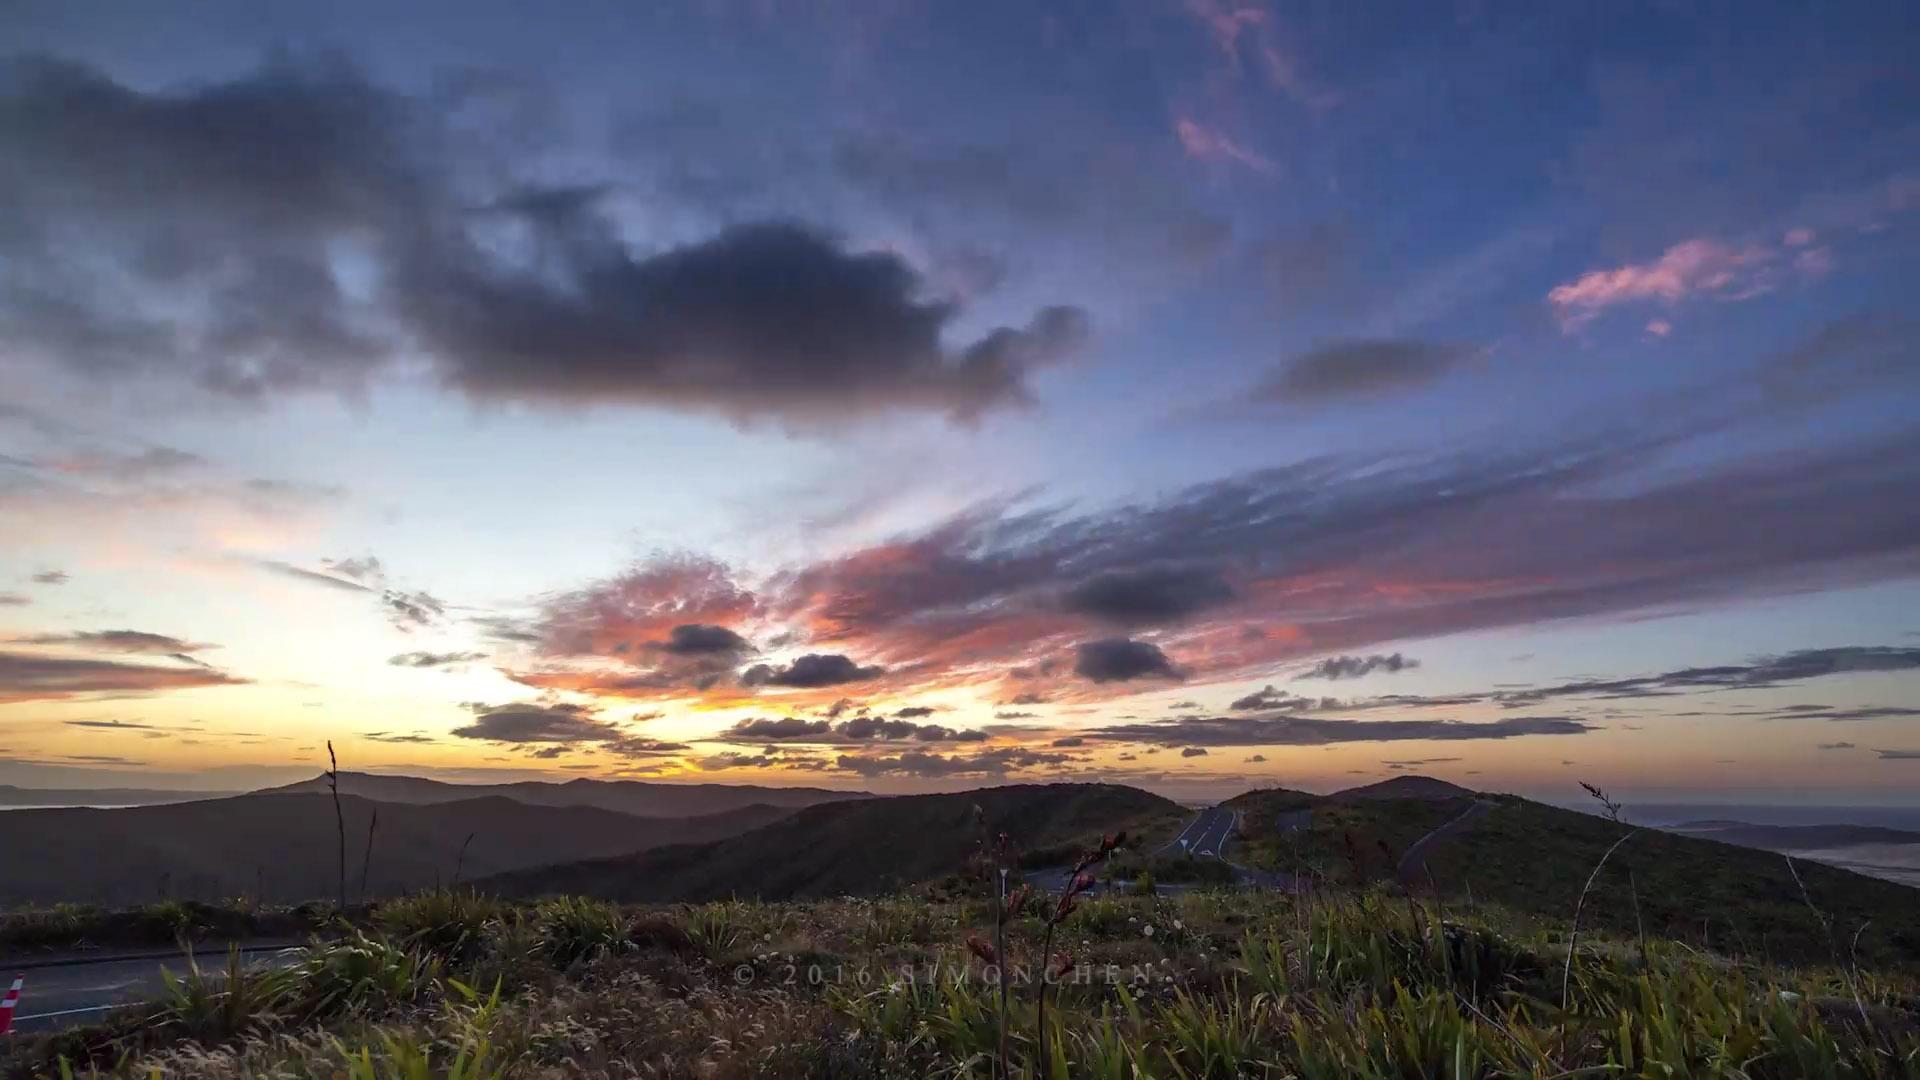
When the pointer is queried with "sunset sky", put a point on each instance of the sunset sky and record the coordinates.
(915, 396)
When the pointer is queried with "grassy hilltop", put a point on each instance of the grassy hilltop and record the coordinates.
(1473, 971)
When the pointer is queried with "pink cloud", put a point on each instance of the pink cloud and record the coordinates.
(1206, 144)
(1693, 268)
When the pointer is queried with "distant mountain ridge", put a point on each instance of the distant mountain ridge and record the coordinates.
(640, 797)
(284, 846)
(12, 795)
(855, 847)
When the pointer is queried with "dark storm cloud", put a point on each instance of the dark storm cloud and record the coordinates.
(700, 639)
(1359, 369)
(1154, 595)
(761, 320)
(1312, 731)
(243, 196)
(785, 727)
(1352, 667)
(120, 641)
(1121, 660)
(32, 677)
(434, 659)
(810, 671)
(532, 722)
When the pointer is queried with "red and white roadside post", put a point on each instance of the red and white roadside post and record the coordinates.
(9, 1003)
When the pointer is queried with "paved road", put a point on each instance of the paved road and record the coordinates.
(81, 993)
(1413, 863)
(1204, 835)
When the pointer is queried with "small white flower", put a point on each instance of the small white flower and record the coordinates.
(1132, 919)
(1147, 930)
(1176, 924)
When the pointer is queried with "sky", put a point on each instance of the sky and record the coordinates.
(901, 396)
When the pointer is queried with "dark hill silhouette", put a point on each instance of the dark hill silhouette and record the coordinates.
(282, 847)
(626, 796)
(1405, 787)
(855, 847)
(21, 796)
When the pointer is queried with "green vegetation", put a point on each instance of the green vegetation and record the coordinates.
(70, 927)
(862, 847)
(1358, 983)
(1533, 860)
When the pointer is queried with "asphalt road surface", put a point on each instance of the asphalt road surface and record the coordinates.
(1413, 863)
(55, 997)
(1204, 835)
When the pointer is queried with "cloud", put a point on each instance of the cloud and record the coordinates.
(1352, 667)
(1313, 731)
(1899, 755)
(51, 577)
(913, 711)
(1208, 144)
(1152, 595)
(33, 677)
(1121, 660)
(434, 659)
(857, 729)
(927, 765)
(1007, 715)
(1257, 758)
(810, 671)
(700, 639)
(120, 641)
(1693, 268)
(390, 737)
(406, 610)
(13, 599)
(785, 727)
(531, 722)
(761, 320)
(1878, 712)
(1365, 368)
(127, 725)
(1193, 751)
(224, 209)
(1764, 672)
(1837, 746)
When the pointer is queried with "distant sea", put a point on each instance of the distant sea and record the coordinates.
(72, 806)
(1891, 817)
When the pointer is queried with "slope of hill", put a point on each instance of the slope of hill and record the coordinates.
(626, 796)
(1404, 787)
(1873, 850)
(1535, 858)
(19, 796)
(285, 847)
(858, 847)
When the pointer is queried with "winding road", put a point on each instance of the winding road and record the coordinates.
(1414, 859)
(61, 994)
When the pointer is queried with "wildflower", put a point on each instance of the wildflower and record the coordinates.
(981, 948)
(1147, 930)
(1062, 963)
(1176, 924)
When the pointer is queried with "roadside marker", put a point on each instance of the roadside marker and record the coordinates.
(8, 1004)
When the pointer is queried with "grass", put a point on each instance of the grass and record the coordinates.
(1345, 983)
(79, 927)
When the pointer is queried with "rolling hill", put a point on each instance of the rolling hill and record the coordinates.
(1873, 850)
(1535, 859)
(19, 796)
(284, 847)
(857, 847)
(625, 796)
